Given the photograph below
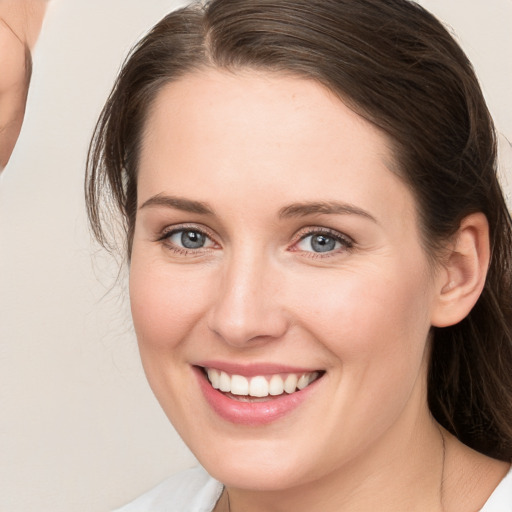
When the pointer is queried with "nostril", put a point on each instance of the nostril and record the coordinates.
(256, 328)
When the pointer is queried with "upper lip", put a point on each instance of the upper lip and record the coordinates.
(253, 369)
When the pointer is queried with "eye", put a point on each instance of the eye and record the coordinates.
(187, 239)
(323, 242)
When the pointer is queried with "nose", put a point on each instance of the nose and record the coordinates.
(246, 309)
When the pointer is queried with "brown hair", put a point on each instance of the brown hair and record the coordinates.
(398, 67)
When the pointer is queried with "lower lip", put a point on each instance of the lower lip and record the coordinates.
(251, 413)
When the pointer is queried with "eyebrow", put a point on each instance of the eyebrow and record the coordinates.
(292, 210)
(324, 208)
(178, 203)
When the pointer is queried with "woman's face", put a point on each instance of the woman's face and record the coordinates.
(275, 248)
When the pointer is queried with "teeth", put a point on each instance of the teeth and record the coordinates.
(290, 383)
(213, 376)
(239, 385)
(259, 386)
(224, 382)
(276, 385)
(303, 381)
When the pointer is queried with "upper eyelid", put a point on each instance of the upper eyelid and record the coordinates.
(311, 230)
(190, 226)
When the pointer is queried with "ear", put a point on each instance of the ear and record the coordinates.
(461, 276)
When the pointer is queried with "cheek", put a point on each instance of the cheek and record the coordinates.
(375, 326)
(370, 314)
(165, 304)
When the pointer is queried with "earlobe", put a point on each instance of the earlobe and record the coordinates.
(462, 275)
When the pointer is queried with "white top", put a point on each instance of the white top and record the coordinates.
(195, 490)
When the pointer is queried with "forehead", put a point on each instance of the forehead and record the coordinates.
(261, 133)
(255, 105)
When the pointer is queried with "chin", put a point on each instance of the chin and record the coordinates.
(271, 476)
(257, 464)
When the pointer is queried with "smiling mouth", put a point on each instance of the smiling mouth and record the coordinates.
(259, 387)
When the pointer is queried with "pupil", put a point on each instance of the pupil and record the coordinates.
(321, 243)
(192, 239)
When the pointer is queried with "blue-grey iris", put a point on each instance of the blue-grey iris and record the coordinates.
(192, 239)
(322, 243)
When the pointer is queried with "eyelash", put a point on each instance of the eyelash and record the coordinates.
(184, 251)
(345, 241)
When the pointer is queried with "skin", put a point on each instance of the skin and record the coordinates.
(20, 24)
(250, 145)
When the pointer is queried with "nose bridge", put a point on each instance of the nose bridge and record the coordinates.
(245, 307)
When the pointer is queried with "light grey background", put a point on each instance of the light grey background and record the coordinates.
(79, 428)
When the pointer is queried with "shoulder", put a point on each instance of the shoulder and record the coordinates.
(193, 490)
(501, 499)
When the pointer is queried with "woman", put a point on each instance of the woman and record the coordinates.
(320, 256)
